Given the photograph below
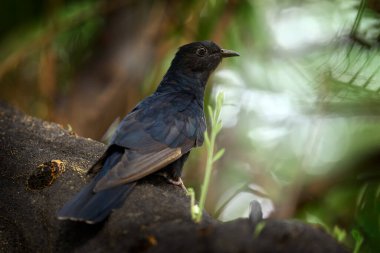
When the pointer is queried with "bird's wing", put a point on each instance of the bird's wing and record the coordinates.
(156, 133)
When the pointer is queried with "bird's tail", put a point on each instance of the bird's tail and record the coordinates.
(92, 207)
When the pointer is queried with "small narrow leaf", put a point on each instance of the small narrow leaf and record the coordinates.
(358, 240)
(210, 112)
(207, 139)
(218, 155)
(217, 127)
(219, 104)
(339, 234)
(219, 99)
(259, 228)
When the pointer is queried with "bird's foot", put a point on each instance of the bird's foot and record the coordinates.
(177, 182)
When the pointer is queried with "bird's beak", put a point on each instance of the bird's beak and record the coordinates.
(229, 53)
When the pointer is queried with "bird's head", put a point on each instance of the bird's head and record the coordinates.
(200, 57)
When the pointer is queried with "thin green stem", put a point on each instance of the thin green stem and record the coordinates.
(216, 125)
(206, 180)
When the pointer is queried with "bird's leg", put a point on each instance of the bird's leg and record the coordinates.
(178, 181)
(172, 172)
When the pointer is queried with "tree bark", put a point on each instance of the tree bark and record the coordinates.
(43, 166)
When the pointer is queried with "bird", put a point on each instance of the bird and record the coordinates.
(155, 137)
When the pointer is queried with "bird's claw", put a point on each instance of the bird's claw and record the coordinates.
(177, 182)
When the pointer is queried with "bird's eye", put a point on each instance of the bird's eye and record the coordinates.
(201, 51)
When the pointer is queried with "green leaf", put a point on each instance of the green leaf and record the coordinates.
(339, 234)
(313, 219)
(219, 99)
(358, 240)
(218, 155)
(218, 126)
(210, 113)
(259, 228)
(219, 104)
(207, 139)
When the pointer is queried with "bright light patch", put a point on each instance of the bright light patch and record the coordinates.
(296, 28)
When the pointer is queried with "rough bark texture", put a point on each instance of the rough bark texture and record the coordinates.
(155, 217)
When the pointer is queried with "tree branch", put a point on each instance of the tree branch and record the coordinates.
(43, 166)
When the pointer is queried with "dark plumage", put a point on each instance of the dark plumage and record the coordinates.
(157, 135)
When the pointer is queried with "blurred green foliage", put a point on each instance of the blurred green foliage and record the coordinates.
(302, 108)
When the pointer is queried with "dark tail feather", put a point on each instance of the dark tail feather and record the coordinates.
(92, 207)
